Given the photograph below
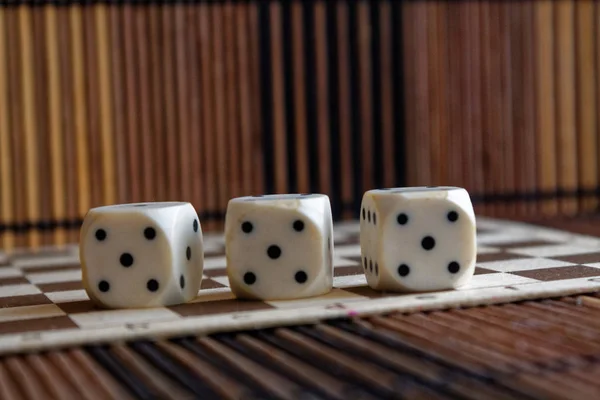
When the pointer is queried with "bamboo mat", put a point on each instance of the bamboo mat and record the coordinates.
(533, 350)
(203, 101)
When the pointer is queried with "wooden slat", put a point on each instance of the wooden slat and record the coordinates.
(84, 182)
(6, 167)
(55, 127)
(565, 90)
(28, 116)
(587, 134)
(545, 102)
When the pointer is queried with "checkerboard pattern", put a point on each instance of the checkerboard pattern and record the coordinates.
(43, 303)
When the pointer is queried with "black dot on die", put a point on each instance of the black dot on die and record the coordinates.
(188, 253)
(374, 218)
(152, 285)
(103, 286)
(298, 225)
(126, 260)
(149, 233)
(402, 219)
(364, 214)
(371, 265)
(247, 227)
(249, 278)
(452, 216)
(369, 215)
(182, 281)
(365, 262)
(376, 269)
(300, 277)
(100, 234)
(195, 225)
(403, 270)
(453, 267)
(274, 252)
(428, 243)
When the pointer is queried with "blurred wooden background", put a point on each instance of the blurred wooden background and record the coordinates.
(203, 101)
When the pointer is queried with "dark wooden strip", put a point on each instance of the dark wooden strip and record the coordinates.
(120, 373)
(398, 92)
(156, 381)
(222, 385)
(378, 152)
(312, 110)
(354, 92)
(266, 99)
(273, 383)
(9, 388)
(100, 379)
(292, 69)
(295, 369)
(182, 83)
(333, 108)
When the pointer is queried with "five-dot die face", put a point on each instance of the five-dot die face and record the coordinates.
(418, 238)
(142, 255)
(279, 246)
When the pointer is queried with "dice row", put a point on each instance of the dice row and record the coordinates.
(277, 246)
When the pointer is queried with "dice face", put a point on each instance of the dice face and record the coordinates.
(418, 239)
(142, 255)
(279, 246)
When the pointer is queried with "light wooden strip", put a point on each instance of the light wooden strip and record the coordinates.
(279, 124)
(366, 94)
(146, 131)
(106, 115)
(422, 126)
(299, 85)
(134, 156)
(157, 103)
(323, 94)
(55, 115)
(245, 103)
(92, 88)
(79, 105)
(41, 122)
(195, 108)
(9, 388)
(545, 102)
(208, 124)
(29, 117)
(343, 96)
(232, 120)
(6, 174)
(67, 129)
(50, 376)
(182, 136)
(587, 134)
(387, 112)
(257, 124)
(118, 104)
(410, 51)
(170, 99)
(28, 380)
(565, 85)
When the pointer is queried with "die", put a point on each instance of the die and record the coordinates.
(417, 238)
(142, 255)
(279, 247)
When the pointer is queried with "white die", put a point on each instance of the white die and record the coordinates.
(279, 246)
(418, 238)
(142, 255)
